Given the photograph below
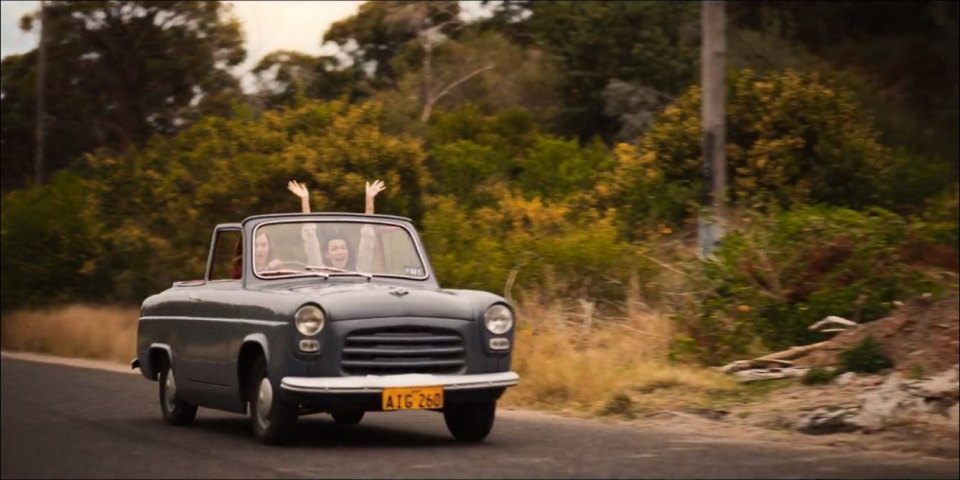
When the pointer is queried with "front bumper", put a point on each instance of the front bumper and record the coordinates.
(376, 383)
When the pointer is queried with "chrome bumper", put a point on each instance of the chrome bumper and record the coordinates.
(376, 383)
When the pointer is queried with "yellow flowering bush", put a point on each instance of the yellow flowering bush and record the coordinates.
(791, 138)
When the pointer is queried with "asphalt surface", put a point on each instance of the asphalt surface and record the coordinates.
(68, 422)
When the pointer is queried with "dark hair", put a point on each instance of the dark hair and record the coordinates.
(352, 255)
(237, 271)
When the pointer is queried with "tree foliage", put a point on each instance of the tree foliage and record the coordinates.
(654, 44)
(790, 138)
(483, 69)
(380, 30)
(149, 212)
(288, 78)
(117, 73)
(904, 57)
(50, 241)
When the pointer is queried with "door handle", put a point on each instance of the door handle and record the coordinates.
(194, 298)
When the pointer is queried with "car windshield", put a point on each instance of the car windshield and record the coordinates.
(335, 248)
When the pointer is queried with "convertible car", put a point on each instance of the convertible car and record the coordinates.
(337, 313)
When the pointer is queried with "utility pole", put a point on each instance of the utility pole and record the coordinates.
(41, 97)
(713, 85)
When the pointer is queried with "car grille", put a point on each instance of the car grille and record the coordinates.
(386, 351)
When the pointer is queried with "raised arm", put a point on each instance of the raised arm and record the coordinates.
(372, 190)
(311, 244)
(367, 236)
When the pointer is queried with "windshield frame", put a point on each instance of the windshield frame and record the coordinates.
(414, 238)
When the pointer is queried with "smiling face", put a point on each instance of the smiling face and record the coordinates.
(337, 253)
(263, 251)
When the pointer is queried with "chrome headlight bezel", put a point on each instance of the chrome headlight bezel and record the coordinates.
(498, 319)
(309, 320)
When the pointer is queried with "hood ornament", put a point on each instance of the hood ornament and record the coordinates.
(399, 292)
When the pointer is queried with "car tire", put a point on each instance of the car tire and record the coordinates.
(272, 419)
(347, 417)
(176, 410)
(470, 422)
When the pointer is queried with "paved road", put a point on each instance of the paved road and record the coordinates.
(67, 422)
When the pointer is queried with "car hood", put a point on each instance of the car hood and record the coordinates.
(371, 300)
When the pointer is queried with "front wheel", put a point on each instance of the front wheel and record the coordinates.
(470, 422)
(273, 419)
(176, 410)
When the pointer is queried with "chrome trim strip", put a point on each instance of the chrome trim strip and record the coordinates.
(376, 383)
(268, 323)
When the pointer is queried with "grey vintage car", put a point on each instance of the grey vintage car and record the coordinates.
(336, 313)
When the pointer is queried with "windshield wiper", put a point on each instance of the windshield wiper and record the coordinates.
(324, 268)
(287, 271)
(337, 271)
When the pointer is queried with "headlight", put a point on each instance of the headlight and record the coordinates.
(309, 320)
(498, 319)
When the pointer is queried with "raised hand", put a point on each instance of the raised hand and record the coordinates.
(300, 190)
(372, 189)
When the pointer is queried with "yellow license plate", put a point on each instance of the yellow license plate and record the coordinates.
(413, 398)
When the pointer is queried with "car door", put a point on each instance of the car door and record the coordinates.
(208, 325)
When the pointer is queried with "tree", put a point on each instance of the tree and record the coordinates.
(117, 73)
(381, 30)
(479, 68)
(904, 57)
(406, 57)
(653, 44)
(288, 77)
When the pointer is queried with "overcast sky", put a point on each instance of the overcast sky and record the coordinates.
(268, 25)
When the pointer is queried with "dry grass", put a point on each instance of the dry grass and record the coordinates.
(567, 359)
(100, 332)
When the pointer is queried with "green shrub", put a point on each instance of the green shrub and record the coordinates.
(135, 222)
(792, 138)
(773, 277)
(551, 249)
(50, 244)
(819, 376)
(868, 356)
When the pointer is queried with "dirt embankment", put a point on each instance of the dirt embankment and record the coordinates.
(921, 337)
(912, 407)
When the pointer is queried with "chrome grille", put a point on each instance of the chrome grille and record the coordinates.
(386, 351)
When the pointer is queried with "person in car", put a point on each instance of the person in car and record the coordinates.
(336, 250)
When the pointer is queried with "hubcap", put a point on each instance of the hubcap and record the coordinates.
(170, 390)
(264, 402)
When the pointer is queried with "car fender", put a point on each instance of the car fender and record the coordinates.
(260, 339)
(151, 369)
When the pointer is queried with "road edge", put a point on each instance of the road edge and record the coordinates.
(69, 361)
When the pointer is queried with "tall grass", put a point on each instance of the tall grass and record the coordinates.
(84, 331)
(569, 360)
